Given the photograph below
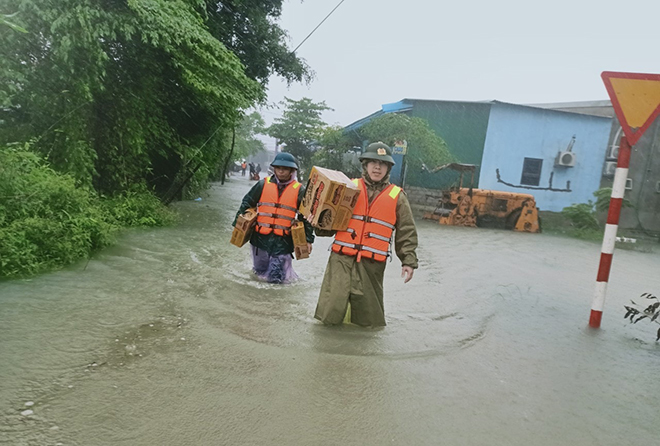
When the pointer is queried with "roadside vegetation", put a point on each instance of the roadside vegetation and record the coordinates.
(47, 221)
(649, 311)
(582, 220)
(109, 110)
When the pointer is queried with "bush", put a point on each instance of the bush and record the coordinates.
(583, 215)
(46, 221)
(137, 207)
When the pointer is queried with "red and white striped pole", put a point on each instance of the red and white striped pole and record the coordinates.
(609, 238)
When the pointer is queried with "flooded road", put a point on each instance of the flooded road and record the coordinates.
(167, 339)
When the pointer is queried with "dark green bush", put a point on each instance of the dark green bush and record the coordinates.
(137, 207)
(582, 215)
(46, 221)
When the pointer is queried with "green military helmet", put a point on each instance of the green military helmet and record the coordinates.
(284, 159)
(378, 151)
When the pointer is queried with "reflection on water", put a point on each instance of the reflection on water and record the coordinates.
(168, 338)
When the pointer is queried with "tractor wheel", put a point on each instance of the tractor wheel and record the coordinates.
(512, 219)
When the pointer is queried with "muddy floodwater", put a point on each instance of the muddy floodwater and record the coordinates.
(168, 339)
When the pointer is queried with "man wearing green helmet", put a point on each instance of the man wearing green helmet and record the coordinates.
(277, 199)
(356, 267)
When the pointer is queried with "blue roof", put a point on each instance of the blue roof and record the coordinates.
(394, 107)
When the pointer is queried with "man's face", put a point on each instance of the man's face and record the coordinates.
(377, 170)
(283, 173)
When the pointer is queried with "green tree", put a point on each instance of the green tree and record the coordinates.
(299, 128)
(424, 146)
(250, 30)
(247, 143)
(337, 151)
(243, 142)
(120, 92)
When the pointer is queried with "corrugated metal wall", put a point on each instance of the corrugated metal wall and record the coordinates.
(462, 125)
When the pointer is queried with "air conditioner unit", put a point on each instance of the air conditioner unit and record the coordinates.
(610, 168)
(613, 153)
(566, 159)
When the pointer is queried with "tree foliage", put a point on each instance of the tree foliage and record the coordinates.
(424, 146)
(117, 92)
(337, 151)
(247, 142)
(249, 29)
(243, 142)
(299, 128)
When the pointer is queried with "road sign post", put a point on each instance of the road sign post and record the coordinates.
(636, 102)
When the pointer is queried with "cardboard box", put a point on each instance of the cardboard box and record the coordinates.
(299, 240)
(244, 227)
(329, 199)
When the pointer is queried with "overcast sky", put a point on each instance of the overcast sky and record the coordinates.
(372, 52)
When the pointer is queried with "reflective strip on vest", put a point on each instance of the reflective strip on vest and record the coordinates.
(372, 220)
(361, 248)
(395, 191)
(378, 236)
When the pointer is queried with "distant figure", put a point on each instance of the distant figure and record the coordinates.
(243, 167)
(258, 168)
(251, 169)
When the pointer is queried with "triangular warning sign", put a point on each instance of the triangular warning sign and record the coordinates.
(636, 100)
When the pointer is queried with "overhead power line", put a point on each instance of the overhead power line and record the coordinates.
(317, 26)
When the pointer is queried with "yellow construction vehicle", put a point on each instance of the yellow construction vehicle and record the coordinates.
(466, 206)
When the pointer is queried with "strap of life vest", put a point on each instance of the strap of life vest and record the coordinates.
(267, 225)
(278, 205)
(283, 217)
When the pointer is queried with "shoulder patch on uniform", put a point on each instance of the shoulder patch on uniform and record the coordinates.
(395, 191)
(296, 185)
(356, 181)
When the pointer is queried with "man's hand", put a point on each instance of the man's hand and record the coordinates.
(309, 247)
(407, 273)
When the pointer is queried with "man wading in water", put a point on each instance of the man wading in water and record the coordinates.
(277, 199)
(356, 266)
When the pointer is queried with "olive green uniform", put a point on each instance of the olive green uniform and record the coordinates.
(361, 283)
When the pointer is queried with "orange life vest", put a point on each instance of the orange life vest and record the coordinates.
(370, 229)
(276, 213)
